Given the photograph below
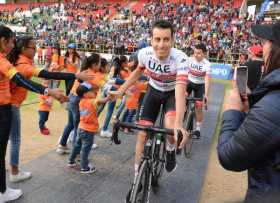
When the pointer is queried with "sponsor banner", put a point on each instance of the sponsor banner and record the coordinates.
(221, 71)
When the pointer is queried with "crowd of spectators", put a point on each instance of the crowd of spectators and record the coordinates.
(92, 27)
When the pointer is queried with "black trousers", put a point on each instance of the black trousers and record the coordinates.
(5, 127)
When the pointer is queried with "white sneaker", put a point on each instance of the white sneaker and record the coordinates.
(105, 134)
(94, 146)
(21, 176)
(10, 194)
(63, 150)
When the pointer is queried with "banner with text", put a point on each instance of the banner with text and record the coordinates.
(221, 71)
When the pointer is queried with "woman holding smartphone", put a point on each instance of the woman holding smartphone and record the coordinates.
(250, 140)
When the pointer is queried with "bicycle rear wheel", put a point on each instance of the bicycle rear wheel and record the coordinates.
(159, 160)
(190, 126)
(141, 189)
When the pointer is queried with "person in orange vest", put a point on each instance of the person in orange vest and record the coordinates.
(57, 65)
(45, 105)
(88, 126)
(72, 59)
(8, 74)
(92, 65)
(22, 56)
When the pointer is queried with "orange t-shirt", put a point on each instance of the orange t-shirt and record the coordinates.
(88, 115)
(56, 62)
(133, 95)
(125, 73)
(25, 67)
(45, 103)
(98, 80)
(5, 67)
(71, 67)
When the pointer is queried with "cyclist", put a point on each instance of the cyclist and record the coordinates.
(167, 70)
(199, 80)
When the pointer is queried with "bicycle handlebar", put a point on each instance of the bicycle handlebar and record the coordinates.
(193, 99)
(119, 124)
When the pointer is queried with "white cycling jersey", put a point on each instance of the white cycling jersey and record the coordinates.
(198, 70)
(164, 74)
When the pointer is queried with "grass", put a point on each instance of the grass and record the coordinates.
(227, 84)
(33, 97)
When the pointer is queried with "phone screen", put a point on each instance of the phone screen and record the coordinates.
(241, 79)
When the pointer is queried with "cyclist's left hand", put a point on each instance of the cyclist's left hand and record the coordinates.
(205, 100)
(184, 139)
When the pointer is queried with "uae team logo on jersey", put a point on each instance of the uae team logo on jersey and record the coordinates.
(159, 68)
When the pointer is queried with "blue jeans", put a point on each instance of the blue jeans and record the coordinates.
(15, 136)
(128, 115)
(73, 119)
(121, 107)
(110, 111)
(43, 117)
(83, 144)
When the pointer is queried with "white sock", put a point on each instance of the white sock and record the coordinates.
(198, 125)
(170, 147)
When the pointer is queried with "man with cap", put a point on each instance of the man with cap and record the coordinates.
(255, 65)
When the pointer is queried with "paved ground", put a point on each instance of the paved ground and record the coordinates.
(53, 182)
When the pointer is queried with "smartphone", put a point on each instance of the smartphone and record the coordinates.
(241, 76)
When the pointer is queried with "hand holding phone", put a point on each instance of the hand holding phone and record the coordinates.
(241, 77)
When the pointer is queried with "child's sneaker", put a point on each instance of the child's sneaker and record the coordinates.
(105, 134)
(88, 170)
(94, 146)
(45, 131)
(62, 150)
(72, 164)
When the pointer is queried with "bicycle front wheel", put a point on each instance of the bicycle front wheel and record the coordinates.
(159, 160)
(141, 189)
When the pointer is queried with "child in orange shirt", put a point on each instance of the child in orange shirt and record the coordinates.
(132, 100)
(88, 126)
(45, 104)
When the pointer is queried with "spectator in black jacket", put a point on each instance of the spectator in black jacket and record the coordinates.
(251, 141)
(255, 65)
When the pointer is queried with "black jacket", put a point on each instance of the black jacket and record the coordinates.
(252, 142)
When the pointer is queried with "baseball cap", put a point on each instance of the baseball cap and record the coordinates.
(72, 46)
(256, 50)
(84, 88)
(269, 32)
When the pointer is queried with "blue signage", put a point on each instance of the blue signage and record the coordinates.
(221, 71)
(263, 8)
